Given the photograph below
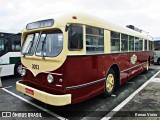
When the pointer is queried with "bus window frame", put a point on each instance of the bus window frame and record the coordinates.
(122, 39)
(68, 28)
(115, 51)
(130, 50)
(100, 36)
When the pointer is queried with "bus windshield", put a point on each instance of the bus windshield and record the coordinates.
(50, 44)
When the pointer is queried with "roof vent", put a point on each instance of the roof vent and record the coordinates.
(134, 28)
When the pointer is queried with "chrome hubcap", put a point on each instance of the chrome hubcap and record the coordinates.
(109, 82)
(19, 69)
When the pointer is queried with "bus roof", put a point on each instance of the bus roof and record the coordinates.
(85, 19)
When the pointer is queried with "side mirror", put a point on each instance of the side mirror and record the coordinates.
(67, 27)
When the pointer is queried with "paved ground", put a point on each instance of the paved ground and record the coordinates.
(95, 108)
(145, 105)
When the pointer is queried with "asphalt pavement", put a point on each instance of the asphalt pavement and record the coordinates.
(130, 101)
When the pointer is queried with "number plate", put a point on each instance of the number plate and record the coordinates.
(29, 91)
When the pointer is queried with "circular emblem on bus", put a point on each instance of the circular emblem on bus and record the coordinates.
(133, 59)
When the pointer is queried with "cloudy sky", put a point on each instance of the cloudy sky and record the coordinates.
(145, 14)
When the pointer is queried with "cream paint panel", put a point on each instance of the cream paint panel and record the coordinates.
(6, 70)
(47, 64)
(107, 41)
(143, 45)
(92, 21)
(57, 100)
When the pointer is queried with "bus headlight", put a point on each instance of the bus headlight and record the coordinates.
(50, 78)
(23, 72)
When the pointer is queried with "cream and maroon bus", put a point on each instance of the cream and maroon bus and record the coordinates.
(75, 57)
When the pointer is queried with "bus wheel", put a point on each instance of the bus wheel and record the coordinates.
(18, 69)
(158, 61)
(110, 83)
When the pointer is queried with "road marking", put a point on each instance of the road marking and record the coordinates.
(156, 80)
(7, 87)
(35, 105)
(122, 104)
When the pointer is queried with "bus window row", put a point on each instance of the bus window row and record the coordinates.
(128, 43)
(10, 43)
(95, 40)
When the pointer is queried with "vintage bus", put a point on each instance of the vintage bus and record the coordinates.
(10, 45)
(75, 57)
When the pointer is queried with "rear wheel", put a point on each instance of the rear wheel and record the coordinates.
(110, 83)
(158, 61)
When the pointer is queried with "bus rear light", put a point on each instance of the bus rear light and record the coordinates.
(50, 78)
(23, 72)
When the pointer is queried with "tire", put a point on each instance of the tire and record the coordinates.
(17, 69)
(110, 83)
(158, 61)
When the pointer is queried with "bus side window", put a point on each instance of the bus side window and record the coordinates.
(75, 41)
(140, 44)
(94, 40)
(131, 43)
(145, 45)
(1, 44)
(115, 41)
(124, 42)
(16, 43)
(136, 44)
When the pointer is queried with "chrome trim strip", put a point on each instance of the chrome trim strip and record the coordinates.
(86, 84)
(133, 67)
(52, 73)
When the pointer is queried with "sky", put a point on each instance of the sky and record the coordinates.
(144, 14)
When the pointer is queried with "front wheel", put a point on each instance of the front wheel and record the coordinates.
(110, 83)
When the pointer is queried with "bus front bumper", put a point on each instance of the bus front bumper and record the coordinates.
(56, 100)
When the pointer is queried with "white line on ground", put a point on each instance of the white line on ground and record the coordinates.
(7, 87)
(156, 80)
(35, 105)
(122, 104)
